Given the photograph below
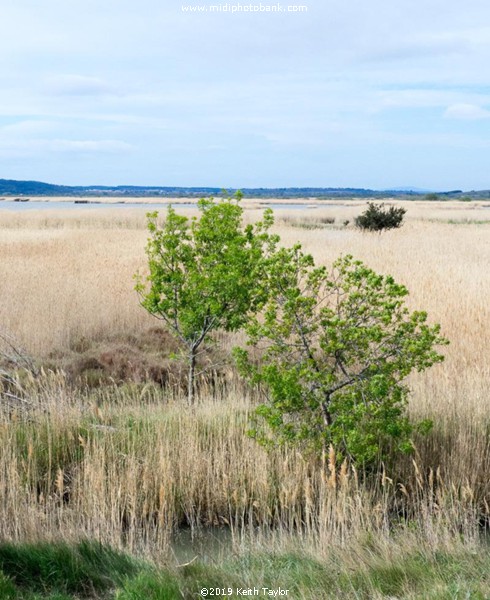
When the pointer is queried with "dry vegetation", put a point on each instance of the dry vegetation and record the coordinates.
(128, 464)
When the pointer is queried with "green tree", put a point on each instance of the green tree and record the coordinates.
(204, 273)
(377, 217)
(331, 353)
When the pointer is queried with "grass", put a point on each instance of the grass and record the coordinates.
(85, 569)
(468, 221)
(131, 472)
(66, 283)
(307, 221)
(120, 460)
(89, 570)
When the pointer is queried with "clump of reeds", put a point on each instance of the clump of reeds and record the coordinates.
(307, 221)
(133, 467)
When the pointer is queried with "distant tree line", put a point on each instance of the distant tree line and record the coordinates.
(9, 187)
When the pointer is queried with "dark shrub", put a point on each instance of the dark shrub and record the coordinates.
(377, 217)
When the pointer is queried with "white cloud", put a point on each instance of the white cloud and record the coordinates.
(466, 112)
(40, 147)
(28, 127)
(77, 85)
(92, 146)
(453, 100)
(134, 90)
(420, 46)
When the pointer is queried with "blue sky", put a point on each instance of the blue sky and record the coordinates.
(353, 93)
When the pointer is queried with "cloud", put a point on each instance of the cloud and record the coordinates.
(125, 88)
(458, 103)
(92, 146)
(77, 85)
(40, 147)
(466, 112)
(420, 47)
(28, 127)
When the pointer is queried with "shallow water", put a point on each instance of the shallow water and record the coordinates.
(20, 206)
(47, 205)
(206, 543)
(279, 206)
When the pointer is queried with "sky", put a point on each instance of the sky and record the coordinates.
(337, 93)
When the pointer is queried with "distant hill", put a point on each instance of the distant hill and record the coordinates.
(11, 187)
(33, 188)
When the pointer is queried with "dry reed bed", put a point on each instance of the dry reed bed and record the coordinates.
(131, 475)
(63, 283)
(134, 468)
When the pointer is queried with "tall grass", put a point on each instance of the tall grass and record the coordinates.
(129, 465)
(134, 469)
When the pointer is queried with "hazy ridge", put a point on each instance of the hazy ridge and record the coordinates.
(12, 187)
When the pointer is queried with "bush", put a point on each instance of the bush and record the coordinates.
(333, 351)
(377, 217)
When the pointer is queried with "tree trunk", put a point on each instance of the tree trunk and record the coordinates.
(191, 376)
(327, 417)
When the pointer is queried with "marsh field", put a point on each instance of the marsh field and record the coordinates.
(100, 455)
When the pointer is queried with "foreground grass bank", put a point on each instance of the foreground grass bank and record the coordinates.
(88, 570)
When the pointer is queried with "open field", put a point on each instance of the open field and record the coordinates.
(70, 275)
(128, 465)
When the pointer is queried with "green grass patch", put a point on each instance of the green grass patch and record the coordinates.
(86, 569)
(150, 586)
(94, 572)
